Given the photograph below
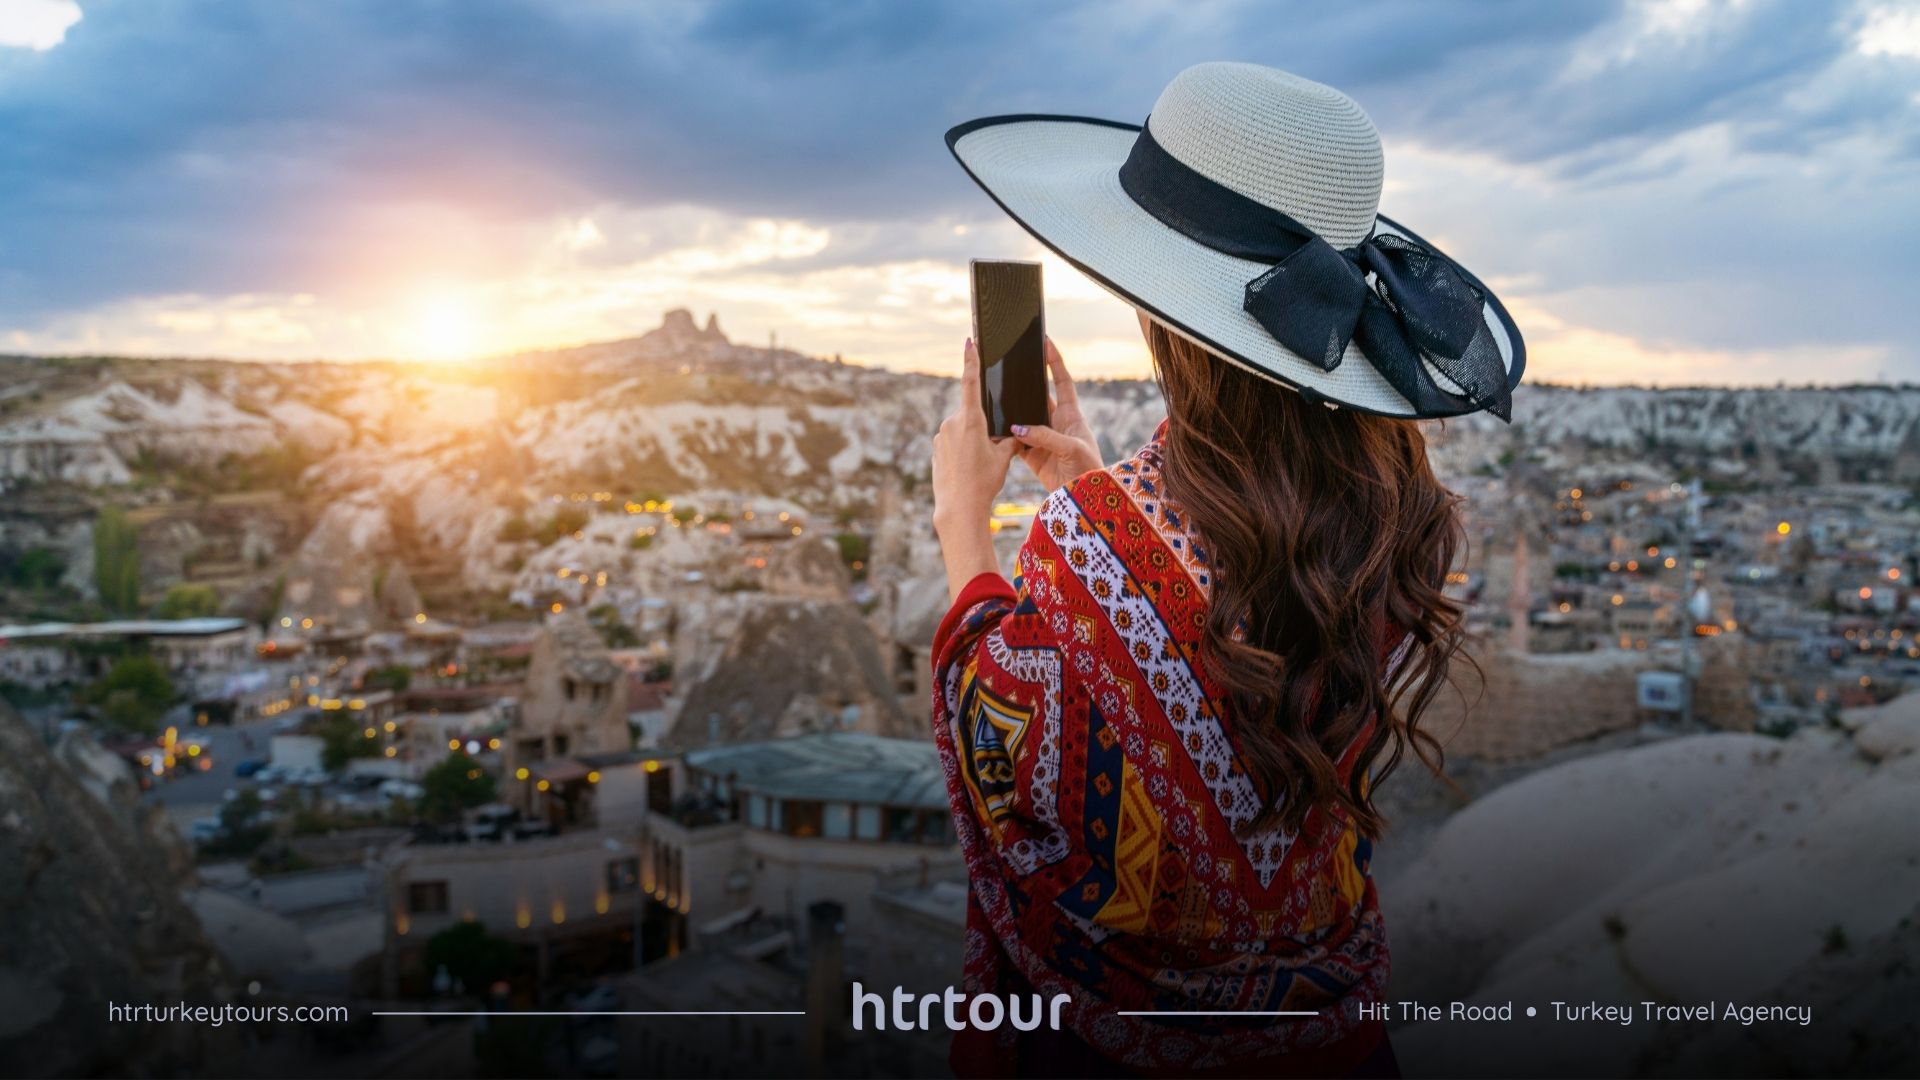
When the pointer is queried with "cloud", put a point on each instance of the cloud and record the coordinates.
(36, 24)
(1700, 177)
(1560, 352)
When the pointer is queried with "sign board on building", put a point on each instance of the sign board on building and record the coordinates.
(1662, 691)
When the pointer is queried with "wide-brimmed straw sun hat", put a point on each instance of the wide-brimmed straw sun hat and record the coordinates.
(1244, 215)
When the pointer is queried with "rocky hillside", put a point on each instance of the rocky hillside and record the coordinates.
(230, 468)
(684, 407)
(1755, 436)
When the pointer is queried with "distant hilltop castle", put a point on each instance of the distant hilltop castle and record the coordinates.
(677, 329)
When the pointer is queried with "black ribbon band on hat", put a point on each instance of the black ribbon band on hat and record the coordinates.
(1420, 309)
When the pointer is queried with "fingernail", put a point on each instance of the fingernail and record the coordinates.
(969, 343)
(1019, 429)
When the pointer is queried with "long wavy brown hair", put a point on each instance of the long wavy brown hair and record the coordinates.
(1323, 528)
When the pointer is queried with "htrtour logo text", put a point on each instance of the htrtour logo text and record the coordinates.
(958, 1011)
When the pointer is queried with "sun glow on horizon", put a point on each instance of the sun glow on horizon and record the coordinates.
(443, 326)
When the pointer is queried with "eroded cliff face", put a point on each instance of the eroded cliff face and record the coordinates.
(761, 667)
(90, 915)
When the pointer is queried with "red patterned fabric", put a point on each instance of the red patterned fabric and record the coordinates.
(1103, 813)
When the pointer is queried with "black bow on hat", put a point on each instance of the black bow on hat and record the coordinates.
(1421, 307)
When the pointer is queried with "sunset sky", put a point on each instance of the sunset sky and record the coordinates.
(1681, 192)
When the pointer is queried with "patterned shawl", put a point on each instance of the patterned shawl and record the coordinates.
(1101, 808)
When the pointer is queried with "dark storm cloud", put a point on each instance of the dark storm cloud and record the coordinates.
(220, 148)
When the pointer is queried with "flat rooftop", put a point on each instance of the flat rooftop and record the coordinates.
(841, 766)
(207, 627)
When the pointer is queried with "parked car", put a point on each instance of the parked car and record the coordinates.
(270, 774)
(206, 830)
(248, 767)
(492, 822)
(401, 789)
(424, 833)
(528, 829)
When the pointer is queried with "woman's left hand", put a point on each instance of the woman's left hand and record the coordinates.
(969, 467)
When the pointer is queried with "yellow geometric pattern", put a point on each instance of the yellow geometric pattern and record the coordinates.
(1136, 858)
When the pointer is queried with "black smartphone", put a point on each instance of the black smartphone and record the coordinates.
(1009, 333)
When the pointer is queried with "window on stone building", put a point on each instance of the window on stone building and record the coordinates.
(623, 875)
(836, 821)
(427, 897)
(802, 818)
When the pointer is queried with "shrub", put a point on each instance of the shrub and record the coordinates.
(565, 522)
(471, 955)
(34, 568)
(515, 530)
(134, 694)
(188, 602)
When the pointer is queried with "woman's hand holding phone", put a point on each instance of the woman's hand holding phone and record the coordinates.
(1066, 448)
(969, 467)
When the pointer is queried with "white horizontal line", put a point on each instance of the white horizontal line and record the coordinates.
(569, 1012)
(1224, 1012)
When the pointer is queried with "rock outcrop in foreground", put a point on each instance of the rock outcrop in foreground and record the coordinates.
(90, 914)
(1716, 869)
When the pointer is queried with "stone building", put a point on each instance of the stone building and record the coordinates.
(756, 832)
(1524, 705)
(575, 704)
(571, 899)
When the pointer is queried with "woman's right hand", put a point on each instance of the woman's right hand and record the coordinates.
(1065, 449)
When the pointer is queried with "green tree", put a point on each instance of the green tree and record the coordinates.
(134, 694)
(565, 522)
(35, 568)
(470, 954)
(617, 634)
(238, 812)
(853, 547)
(188, 602)
(394, 677)
(116, 560)
(244, 832)
(343, 738)
(454, 786)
